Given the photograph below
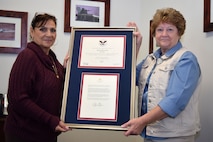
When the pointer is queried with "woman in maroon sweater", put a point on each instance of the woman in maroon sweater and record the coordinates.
(36, 87)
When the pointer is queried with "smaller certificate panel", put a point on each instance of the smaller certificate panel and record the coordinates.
(102, 51)
(98, 97)
(99, 89)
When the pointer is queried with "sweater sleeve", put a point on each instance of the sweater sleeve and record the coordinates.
(20, 100)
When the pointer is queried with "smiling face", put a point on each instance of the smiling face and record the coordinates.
(168, 25)
(44, 35)
(166, 36)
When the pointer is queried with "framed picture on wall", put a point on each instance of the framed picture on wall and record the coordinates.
(13, 31)
(152, 42)
(151, 46)
(208, 16)
(86, 13)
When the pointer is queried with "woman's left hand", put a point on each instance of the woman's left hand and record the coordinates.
(135, 126)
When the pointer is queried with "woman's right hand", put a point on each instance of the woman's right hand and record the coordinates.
(137, 34)
(62, 127)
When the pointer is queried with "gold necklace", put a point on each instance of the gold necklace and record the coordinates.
(54, 67)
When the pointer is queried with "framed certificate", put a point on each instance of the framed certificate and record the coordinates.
(99, 90)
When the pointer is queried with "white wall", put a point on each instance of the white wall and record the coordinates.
(123, 11)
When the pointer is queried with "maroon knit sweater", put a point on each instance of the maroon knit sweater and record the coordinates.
(34, 96)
